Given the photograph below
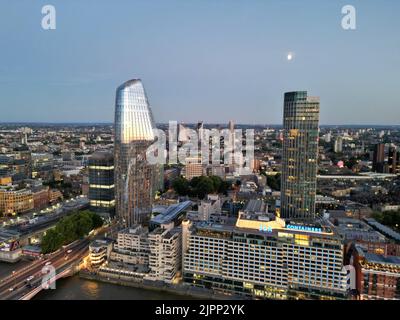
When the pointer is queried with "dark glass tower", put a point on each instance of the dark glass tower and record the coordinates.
(378, 162)
(299, 158)
(134, 176)
(101, 182)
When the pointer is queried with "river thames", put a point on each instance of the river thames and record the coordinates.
(75, 288)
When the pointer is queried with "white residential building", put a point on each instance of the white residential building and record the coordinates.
(165, 254)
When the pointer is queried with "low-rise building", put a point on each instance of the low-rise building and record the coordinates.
(14, 201)
(170, 217)
(99, 252)
(55, 195)
(356, 230)
(378, 276)
(40, 197)
(132, 246)
(193, 168)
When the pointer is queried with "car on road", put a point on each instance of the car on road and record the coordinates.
(30, 278)
(47, 263)
(11, 289)
(69, 251)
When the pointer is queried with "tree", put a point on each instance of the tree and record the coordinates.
(200, 186)
(217, 183)
(69, 229)
(84, 225)
(97, 221)
(51, 241)
(181, 186)
(274, 181)
(204, 187)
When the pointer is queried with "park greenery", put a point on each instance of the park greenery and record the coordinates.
(69, 229)
(200, 186)
(273, 181)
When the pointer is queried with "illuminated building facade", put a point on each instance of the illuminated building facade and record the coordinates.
(101, 182)
(378, 275)
(13, 202)
(134, 176)
(264, 259)
(300, 154)
(99, 251)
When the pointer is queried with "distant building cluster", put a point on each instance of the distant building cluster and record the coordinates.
(314, 217)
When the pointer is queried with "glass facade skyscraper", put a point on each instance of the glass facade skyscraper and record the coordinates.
(101, 182)
(134, 176)
(300, 154)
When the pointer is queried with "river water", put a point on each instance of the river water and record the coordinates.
(75, 288)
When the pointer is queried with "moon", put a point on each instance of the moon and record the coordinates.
(290, 56)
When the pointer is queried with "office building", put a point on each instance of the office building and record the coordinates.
(157, 252)
(378, 275)
(101, 182)
(264, 258)
(231, 126)
(338, 145)
(378, 162)
(300, 154)
(40, 196)
(23, 160)
(193, 168)
(132, 246)
(42, 164)
(134, 176)
(14, 201)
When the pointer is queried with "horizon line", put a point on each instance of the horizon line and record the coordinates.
(187, 123)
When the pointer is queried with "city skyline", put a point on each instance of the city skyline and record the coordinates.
(200, 150)
(237, 63)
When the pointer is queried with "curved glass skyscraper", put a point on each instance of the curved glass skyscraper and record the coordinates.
(134, 176)
(299, 157)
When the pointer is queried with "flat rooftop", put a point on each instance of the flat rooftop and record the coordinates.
(255, 205)
(381, 259)
(384, 229)
(171, 212)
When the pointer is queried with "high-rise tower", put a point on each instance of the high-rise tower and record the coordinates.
(134, 176)
(300, 153)
(378, 163)
(101, 182)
